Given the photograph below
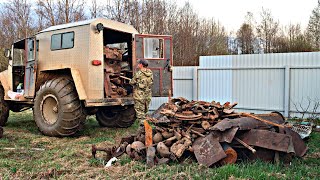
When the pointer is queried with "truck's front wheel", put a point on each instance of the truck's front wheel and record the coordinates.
(57, 108)
(4, 108)
(116, 117)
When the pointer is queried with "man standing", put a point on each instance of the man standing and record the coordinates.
(142, 82)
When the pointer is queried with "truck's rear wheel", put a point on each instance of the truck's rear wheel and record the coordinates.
(57, 108)
(116, 117)
(4, 108)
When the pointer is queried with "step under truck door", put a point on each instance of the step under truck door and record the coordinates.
(157, 49)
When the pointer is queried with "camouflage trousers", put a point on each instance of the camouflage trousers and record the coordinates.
(141, 106)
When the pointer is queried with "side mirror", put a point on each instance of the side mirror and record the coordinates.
(99, 27)
(7, 53)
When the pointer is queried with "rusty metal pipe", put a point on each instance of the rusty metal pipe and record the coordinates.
(245, 145)
(263, 120)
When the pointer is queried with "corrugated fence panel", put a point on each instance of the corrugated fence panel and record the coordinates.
(258, 89)
(258, 81)
(183, 81)
(215, 85)
(215, 61)
(262, 60)
(305, 89)
(182, 86)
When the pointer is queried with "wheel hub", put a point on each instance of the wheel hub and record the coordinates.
(49, 109)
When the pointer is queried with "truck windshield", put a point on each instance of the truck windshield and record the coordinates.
(18, 57)
(19, 53)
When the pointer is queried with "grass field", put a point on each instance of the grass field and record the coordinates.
(27, 154)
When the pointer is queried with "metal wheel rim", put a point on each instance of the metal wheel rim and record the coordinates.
(49, 109)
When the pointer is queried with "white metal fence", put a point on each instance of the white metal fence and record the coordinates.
(259, 83)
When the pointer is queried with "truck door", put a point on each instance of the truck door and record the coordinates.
(157, 49)
(30, 71)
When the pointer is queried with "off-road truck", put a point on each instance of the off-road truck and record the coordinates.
(69, 71)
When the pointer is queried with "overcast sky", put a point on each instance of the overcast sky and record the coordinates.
(231, 13)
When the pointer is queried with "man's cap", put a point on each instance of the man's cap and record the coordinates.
(143, 62)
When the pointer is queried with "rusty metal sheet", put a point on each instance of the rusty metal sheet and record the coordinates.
(274, 117)
(243, 123)
(208, 150)
(300, 147)
(246, 123)
(269, 140)
(226, 136)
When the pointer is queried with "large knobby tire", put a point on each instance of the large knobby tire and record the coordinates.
(120, 117)
(4, 108)
(57, 108)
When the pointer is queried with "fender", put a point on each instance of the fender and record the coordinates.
(4, 81)
(79, 86)
(75, 75)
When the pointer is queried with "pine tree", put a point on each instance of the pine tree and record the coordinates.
(314, 27)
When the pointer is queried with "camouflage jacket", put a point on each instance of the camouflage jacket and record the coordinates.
(142, 82)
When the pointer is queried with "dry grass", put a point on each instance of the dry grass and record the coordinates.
(70, 158)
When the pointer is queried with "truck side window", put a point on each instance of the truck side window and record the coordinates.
(62, 41)
(30, 49)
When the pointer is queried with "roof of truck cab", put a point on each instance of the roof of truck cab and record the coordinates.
(107, 23)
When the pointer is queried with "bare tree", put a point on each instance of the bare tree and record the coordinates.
(47, 12)
(267, 30)
(298, 41)
(311, 107)
(96, 10)
(71, 10)
(53, 12)
(118, 10)
(246, 39)
(18, 13)
(16, 23)
(187, 26)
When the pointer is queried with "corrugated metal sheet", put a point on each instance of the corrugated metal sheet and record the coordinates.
(259, 89)
(258, 82)
(183, 82)
(262, 60)
(182, 86)
(305, 89)
(215, 85)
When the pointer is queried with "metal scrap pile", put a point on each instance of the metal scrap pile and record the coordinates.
(211, 133)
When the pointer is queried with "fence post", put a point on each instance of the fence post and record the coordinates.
(287, 91)
(195, 84)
